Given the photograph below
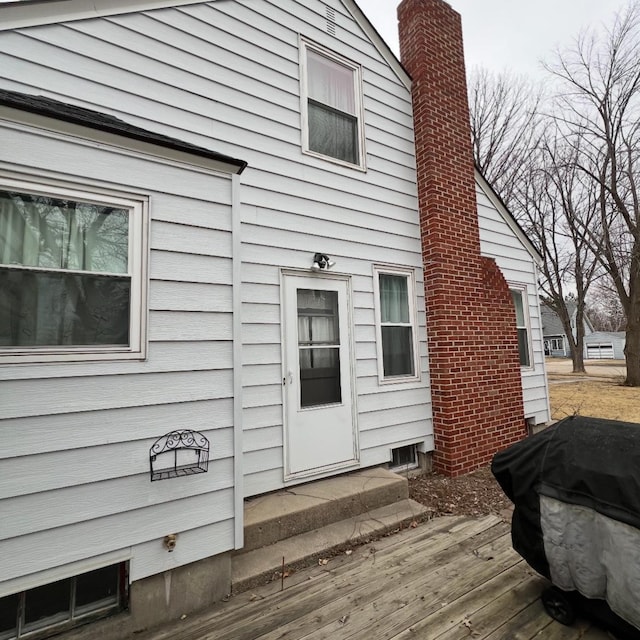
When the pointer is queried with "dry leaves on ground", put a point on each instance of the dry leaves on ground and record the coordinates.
(474, 494)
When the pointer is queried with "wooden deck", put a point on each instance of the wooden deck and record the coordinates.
(450, 578)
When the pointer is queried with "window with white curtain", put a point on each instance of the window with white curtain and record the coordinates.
(522, 325)
(331, 105)
(396, 324)
(71, 274)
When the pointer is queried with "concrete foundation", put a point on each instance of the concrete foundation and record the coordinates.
(163, 598)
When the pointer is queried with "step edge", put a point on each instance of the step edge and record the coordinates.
(375, 523)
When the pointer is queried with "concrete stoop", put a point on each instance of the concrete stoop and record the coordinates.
(305, 522)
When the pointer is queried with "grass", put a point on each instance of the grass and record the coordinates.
(596, 398)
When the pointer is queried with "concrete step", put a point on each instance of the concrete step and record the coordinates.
(253, 568)
(311, 506)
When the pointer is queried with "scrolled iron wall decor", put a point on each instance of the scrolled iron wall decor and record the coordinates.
(179, 453)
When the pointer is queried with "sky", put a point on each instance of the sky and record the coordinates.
(508, 34)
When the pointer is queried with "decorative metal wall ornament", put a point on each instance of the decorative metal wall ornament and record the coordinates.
(179, 453)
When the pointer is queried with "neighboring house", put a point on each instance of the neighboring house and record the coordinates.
(151, 285)
(556, 343)
(607, 345)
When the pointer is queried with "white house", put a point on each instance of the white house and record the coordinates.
(209, 223)
(503, 239)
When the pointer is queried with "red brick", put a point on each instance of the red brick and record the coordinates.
(473, 351)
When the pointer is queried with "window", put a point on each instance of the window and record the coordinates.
(394, 290)
(557, 344)
(51, 608)
(404, 457)
(520, 303)
(331, 106)
(72, 274)
(319, 347)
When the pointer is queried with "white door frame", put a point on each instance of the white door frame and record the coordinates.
(347, 325)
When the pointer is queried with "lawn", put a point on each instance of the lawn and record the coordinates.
(598, 398)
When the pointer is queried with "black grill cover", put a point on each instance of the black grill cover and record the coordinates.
(584, 461)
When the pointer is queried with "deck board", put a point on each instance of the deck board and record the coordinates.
(451, 578)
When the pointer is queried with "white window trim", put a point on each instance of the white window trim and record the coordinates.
(138, 261)
(522, 290)
(304, 45)
(413, 317)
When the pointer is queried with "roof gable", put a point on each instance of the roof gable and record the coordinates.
(507, 216)
(29, 13)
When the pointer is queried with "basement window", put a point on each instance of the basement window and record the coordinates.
(404, 457)
(51, 608)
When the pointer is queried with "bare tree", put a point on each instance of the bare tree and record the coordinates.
(519, 152)
(605, 311)
(556, 204)
(599, 103)
(504, 114)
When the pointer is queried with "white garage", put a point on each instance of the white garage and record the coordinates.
(603, 345)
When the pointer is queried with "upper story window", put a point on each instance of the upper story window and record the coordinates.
(331, 106)
(72, 274)
(522, 324)
(396, 324)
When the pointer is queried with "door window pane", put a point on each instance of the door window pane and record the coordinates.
(320, 376)
(317, 317)
(319, 347)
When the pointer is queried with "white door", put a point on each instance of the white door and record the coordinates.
(320, 429)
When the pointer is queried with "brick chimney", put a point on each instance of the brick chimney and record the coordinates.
(473, 350)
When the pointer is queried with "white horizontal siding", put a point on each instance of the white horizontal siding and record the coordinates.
(117, 496)
(31, 436)
(225, 75)
(176, 355)
(42, 550)
(48, 396)
(75, 431)
(105, 463)
(498, 241)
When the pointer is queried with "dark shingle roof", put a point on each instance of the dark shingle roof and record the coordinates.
(551, 323)
(104, 122)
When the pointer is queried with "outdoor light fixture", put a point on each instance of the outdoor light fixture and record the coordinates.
(322, 262)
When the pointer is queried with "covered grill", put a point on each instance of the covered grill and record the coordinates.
(576, 491)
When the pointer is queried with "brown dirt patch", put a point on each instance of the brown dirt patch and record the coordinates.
(478, 494)
(597, 398)
(474, 494)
